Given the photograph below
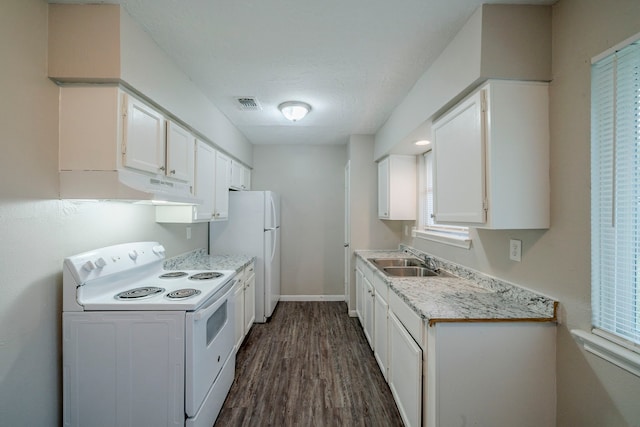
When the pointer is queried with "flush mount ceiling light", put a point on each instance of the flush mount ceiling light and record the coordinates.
(294, 110)
(422, 142)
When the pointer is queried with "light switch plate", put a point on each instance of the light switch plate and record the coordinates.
(515, 250)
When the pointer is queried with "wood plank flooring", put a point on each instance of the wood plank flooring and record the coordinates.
(309, 366)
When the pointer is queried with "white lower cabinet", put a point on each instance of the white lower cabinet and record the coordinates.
(359, 293)
(249, 298)
(238, 320)
(381, 332)
(245, 308)
(498, 374)
(405, 372)
(368, 308)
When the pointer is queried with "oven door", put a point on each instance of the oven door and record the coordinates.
(209, 342)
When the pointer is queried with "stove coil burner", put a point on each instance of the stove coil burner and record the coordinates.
(138, 293)
(183, 293)
(207, 275)
(173, 275)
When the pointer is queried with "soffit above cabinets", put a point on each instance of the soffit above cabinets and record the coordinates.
(354, 62)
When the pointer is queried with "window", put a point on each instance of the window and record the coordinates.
(427, 228)
(615, 195)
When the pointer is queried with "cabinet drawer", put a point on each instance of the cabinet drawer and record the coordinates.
(409, 318)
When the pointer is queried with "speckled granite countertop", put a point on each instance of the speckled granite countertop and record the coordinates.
(470, 296)
(200, 260)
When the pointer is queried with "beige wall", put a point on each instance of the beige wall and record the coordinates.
(556, 262)
(498, 41)
(310, 181)
(367, 231)
(37, 231)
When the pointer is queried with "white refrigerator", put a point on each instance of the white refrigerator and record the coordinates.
(253, 228)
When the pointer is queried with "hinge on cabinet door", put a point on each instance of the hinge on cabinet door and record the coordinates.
(485, 205)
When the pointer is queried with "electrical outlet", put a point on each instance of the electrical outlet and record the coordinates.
(188, 233)
(515, 250)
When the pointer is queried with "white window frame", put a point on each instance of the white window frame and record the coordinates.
(615, 210)
(427, 229)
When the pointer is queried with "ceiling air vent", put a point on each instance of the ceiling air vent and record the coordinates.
(249, 103)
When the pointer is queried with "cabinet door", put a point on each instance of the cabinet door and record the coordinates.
(180, 152)
(380, 329)
(205, 175)
(383, 188)
(223, 176)
(246, 182)
(249, 300)
(369, 324)
(405, 372)
(459, 166)
(238, 317)
(144, 137)
(237, 175)
(359, 295)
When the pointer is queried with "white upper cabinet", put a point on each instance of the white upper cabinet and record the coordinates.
(205, 174)
(247, 179)
(212, 173)
(222, 184)
(240, 176)
(491, 155)
(144, 137)
(397, 187)
(146, 141)
(180, 152)
(113, 146)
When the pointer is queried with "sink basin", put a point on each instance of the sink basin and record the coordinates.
(406, 267)
(409, 272)
(397, 262)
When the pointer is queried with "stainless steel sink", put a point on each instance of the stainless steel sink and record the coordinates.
(398, 262)
(406, 267)
(409, 272)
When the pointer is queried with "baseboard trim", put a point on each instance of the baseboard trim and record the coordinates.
(353, 313)
(311, 297)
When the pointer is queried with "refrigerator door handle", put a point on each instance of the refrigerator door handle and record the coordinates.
(273, 212)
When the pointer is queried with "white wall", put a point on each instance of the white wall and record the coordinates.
(556, 262)
(310, 180)
(367, 231)
(37, 231)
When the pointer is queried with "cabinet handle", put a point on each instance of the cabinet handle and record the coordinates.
(173, 172)
(162, 168)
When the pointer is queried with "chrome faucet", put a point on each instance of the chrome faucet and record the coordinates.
(429, 261)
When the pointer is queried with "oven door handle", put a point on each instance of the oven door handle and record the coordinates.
(215, 303)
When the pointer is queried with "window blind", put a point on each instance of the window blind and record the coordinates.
(615, 193)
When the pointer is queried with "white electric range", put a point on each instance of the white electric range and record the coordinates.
(144, 346)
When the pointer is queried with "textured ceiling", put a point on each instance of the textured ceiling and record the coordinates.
(352, 60)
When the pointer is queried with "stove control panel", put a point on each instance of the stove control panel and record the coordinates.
(103, 262)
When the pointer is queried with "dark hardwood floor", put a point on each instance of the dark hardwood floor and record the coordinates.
(309, 366)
